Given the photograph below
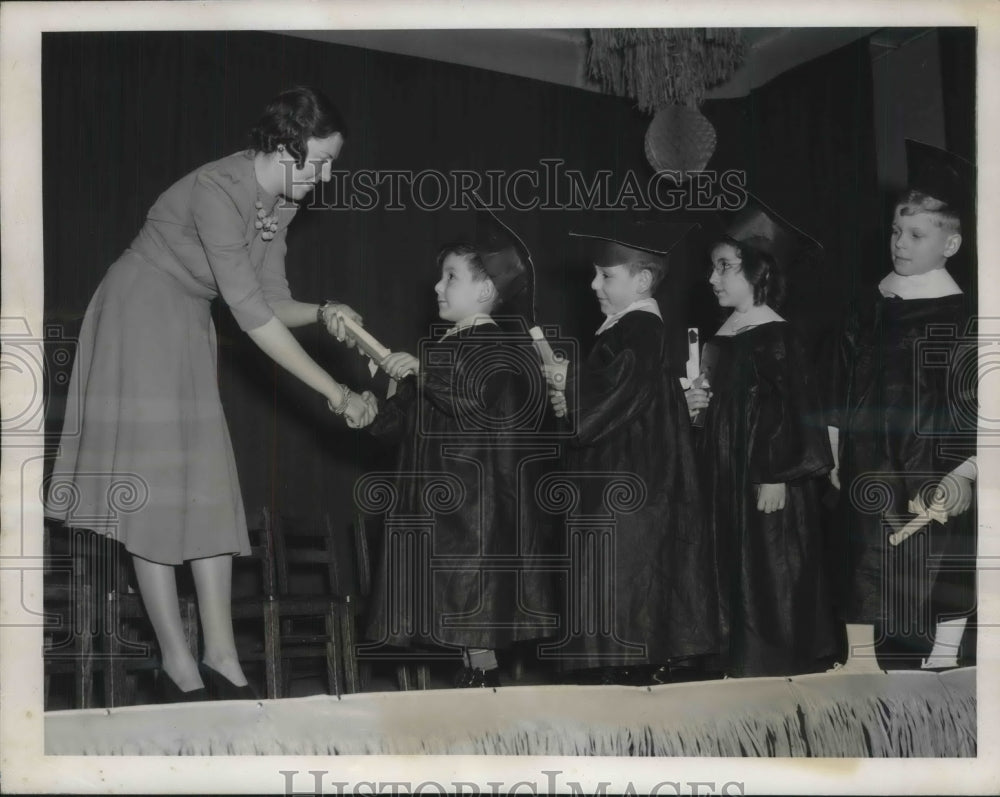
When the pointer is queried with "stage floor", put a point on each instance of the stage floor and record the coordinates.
(906, 713)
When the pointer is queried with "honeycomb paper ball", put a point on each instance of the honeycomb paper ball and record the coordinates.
(679, 139)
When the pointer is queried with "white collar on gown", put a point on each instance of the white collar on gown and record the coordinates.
(759, 314)
(932, 285)
(647, 305)
(470, 321)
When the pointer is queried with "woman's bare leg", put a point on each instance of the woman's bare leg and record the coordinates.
(158, 587)
(213, 579)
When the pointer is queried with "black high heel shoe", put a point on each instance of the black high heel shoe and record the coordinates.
(221, 688)
(167, 691)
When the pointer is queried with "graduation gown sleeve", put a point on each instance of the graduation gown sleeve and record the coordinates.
(788, 438)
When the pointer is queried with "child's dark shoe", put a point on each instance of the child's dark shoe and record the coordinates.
(470, 677)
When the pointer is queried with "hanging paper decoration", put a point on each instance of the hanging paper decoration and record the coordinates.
(679, 139)
(664, 66)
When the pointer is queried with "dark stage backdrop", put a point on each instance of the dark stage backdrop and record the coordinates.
(807, 142)
(126, 114)
(958, 77)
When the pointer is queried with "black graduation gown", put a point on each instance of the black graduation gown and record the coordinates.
(764, 426)
(459, 562)
(910, 377)
(642, 587)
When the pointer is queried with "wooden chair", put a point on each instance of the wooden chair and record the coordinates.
(69, 612)
(95, 622)
(310, 603)
(407, 676)
(258, 604)
(356, 674)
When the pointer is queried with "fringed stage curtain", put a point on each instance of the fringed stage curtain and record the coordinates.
(915, 714)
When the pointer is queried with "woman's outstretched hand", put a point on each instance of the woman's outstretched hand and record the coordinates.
(333, 317)
(360, 411)
(400, 364)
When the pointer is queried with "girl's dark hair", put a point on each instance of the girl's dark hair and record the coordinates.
(292, 118)
(760, 268)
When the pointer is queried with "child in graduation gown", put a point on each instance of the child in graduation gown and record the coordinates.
(906, 433)
(643, 600)
(761, 451)
(463, 418)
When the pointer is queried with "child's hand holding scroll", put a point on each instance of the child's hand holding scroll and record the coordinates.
(399, 364)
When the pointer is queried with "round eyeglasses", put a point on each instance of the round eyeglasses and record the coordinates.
(723, 267)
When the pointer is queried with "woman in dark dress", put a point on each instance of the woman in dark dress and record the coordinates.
(762, 445)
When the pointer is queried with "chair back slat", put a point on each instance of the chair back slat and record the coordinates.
(363, 563)
(305, 549)
(262, 555)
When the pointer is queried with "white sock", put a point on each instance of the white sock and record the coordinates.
(860, 650)
(860, 641)
(947, 638)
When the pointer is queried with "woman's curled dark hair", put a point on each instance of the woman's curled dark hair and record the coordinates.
(292, 118)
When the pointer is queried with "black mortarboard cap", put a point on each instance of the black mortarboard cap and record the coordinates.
(507, 261)
(638, 242)
(761, 226)
(942, 175)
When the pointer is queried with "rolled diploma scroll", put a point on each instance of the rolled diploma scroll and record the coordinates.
(556, 371)
(909, 529)
(693, 365)
(924, 516)
(555, 366)
(366, 341)
(369, 345)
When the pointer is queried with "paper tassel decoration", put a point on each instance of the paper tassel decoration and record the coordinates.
(664, 66)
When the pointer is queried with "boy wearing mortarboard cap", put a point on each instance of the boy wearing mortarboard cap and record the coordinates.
(910, 377)
(644, 600)
(464, 418)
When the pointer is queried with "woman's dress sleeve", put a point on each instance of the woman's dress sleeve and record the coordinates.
(222, 231)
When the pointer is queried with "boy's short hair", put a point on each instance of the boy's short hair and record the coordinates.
(911, 202)
(473, 257)
(656, 269)
(469, 252)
